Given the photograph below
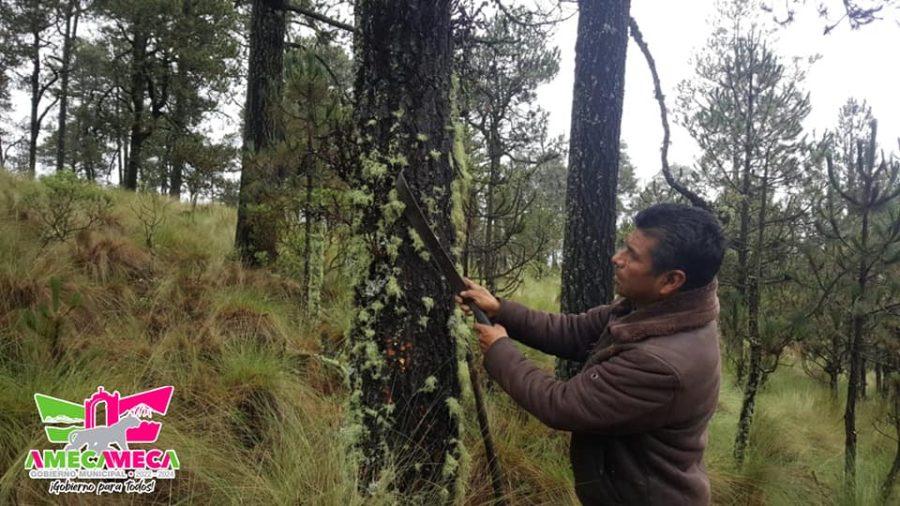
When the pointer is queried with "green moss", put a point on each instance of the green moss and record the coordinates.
(451, 466)
(430, 385)
(419, 245)
(359, 198)
(398, 160)
(392, 209)
(393, 247)
(422, 137)
(428, 302)
(460, 163)
(430, 205)
(392, 289)
(373, 169)
(454, 408)
(423, 321)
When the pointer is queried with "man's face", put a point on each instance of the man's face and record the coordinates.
(634, 275)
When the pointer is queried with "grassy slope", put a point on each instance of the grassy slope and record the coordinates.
(256, 416)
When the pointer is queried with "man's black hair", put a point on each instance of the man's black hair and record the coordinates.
(687, 238)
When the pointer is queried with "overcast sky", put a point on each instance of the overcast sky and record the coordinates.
(862, 63)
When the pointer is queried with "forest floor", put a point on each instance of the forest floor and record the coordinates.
(257, 411)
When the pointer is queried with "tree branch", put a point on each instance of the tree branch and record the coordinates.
(695, 199)
(318, 17)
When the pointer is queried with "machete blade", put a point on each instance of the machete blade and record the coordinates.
(417, 219)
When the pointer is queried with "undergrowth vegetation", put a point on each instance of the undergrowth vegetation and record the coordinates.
(259, 394)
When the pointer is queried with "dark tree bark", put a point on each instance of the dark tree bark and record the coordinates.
(37, 27)
(879, 378)
(137, 93)
(863, 379)
(35, 83)
(405, 358)
(856, 343)
(73, 12)
(590, 233)
(887, 486)
(257, 229)
(179, 116)
(755, 375)
(835, 364)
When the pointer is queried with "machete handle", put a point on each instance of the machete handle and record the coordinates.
(480, 317)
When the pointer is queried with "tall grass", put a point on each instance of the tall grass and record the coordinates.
(257, 412)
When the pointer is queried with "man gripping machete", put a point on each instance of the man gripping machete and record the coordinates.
(638, 411)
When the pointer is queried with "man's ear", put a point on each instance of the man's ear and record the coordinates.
(672, 281)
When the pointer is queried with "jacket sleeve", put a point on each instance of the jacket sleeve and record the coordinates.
(568, 336)
(631, 392)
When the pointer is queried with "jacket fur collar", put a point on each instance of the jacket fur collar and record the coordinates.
(682, 311)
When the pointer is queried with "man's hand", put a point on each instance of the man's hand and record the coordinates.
(489, 334)
(480, 297)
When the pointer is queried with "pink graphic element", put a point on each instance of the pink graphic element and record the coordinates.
(142, 404)
(112, 408)
(38, 460)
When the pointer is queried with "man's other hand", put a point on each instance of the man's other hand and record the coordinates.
(478, 295)
(489, 334)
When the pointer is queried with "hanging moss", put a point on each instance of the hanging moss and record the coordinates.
(457, 460)
(451, 466)
(460, 163)
(393, 288)
(419, 245)
(392, 247)
(430, 385)
(391, 210)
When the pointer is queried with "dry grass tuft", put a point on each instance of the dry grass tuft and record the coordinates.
(104, 257)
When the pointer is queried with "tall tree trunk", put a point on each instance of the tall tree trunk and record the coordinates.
(121, 156)
(737, 337)
(888, 485)
(863, 380)
(490, 253)
(470, 210)
(137, 92)
(256, 238)
(179, 120)
(406, 387)
(856, 343)
(73, 11)
(179, 117)
(879, 378)
(590, 233)
(748, 405)
(35, 83)
(834, 363)
(755, 374)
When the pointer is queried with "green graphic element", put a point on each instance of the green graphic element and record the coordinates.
(62, 412)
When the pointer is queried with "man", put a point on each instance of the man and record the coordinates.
(639, 409)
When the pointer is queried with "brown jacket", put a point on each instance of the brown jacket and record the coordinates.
(639, 409)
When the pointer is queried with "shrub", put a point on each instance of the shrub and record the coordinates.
(66, 205)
